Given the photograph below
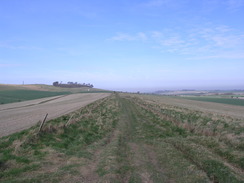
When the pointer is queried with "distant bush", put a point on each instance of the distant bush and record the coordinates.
(72, 85)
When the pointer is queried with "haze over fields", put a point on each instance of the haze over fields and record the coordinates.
(123, 44)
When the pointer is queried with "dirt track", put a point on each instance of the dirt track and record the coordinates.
(125, 139)
(18, 116)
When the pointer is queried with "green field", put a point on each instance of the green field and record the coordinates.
(22, 95)
(18, 93)
(230, 101)
(123, 138)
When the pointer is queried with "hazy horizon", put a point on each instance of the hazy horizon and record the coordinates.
(154, 89)
(144, 45)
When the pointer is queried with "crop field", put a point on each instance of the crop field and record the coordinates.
(43, 87)
(231, 101)
(22, 95)
(22, 115)
(18, 93)
(130, 138)
(209, 107)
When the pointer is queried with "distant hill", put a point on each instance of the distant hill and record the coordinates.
(43, 87)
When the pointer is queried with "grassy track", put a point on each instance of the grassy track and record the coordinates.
(126, 139)
(230, 101)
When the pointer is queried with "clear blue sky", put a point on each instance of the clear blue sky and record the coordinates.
(123, 44)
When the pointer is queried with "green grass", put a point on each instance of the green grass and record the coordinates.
(230, 101)
(85, 131)
(18, 93)
(92, 123)
(126, 139)
(209, 154)
(22, 95)
(72, 90)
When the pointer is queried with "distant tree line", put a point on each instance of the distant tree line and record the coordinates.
(72, 85)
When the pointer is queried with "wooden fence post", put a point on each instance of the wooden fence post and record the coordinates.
(68, 121)
(42, 123)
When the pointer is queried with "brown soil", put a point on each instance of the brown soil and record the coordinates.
(18, 116)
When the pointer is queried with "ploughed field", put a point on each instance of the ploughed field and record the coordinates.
(130, 138)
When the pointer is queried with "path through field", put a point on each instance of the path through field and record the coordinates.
(18, 116)
(144, 148)
(124, 139)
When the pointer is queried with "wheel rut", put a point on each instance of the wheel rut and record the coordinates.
(141, 156)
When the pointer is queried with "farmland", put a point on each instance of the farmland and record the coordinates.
(22, 115)
(22, 95)
(130, 138)
(18, 93)
(222, 100)
(43, 87)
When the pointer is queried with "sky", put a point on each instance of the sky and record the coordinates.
(123, 44)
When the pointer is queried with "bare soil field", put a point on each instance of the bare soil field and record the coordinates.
(210, 107)
(18, 116)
